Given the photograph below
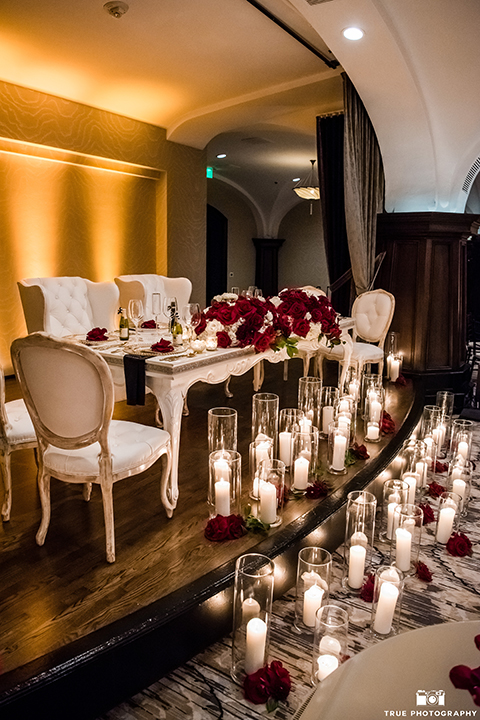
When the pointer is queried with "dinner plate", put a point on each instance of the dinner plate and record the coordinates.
(145, 350)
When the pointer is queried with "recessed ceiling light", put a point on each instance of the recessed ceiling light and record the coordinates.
(221, 155)
(353, 33)
(295, 179)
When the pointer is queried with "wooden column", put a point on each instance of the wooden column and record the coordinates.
(266, 264)
(425, 269)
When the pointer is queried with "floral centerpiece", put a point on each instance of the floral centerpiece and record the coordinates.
(275, 322)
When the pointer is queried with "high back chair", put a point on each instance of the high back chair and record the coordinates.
(16, 433)
(142, 287)
(62, 306)
(68, 390)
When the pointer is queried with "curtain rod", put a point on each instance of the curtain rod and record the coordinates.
(330, 63)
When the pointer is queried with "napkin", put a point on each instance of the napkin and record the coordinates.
(149, 324)
(96, 334)
(163, 346)
(134, 370)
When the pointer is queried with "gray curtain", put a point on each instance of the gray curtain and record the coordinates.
(364, 187)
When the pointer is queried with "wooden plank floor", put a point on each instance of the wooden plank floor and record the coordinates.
(53, 595)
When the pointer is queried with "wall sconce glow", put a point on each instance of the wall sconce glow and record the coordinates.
(353, 33)
(220, 156)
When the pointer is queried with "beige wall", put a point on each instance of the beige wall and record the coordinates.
(86, 192)
(302, 259)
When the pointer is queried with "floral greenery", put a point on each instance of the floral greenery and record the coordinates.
(256, 525)
(271, 685)
(276, 322)
(423, 572)
(465, 678)
(459, 545)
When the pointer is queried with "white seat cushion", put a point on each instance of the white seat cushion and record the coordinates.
(131, 444)
(366, 352)
(19, 427)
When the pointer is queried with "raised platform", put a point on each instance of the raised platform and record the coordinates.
(78, 635)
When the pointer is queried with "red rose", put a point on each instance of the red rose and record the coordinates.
(459, 545)
(280, 682)
(162, 346)
(428, 514)
(435, 489)
(317, 490)
(236, 527)
(223, 339)
(440, 467)
(359, 451)
(149, 324)
(97, 334)
(400, 381)
(423, 572)
(225, 313)
(216, 529)
(388, 424)
(257, 687)
(301, 327)
(366, 593)
(262, 341)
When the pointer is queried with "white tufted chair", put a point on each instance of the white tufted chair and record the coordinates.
(372, 312)
(68, 390)
(62, 306)
(141, 287)
(16, 433)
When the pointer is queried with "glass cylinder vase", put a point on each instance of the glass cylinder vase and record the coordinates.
(406, 538)
(461, 442)
(359, 535)
(271, 476)
(387, 601)
(338, 442)
(329, 401)
(225, 482)
(314, 569)
(330, 641)
(304, 459)
(288, 424)
(252, 610)
(222, 429)
(459, 481)
(309, 398)
(448, 516)
(260, 449)
(265, 416)
(395, 493)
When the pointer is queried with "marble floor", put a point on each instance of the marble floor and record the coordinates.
(202, 688)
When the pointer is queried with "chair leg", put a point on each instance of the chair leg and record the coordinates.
(44, 490)
(186, 411)
(107, 497)
(319, 364)
(306, 364)
(164, 480)
(226, 387)
(87, 491)
(258, 375)
(285, 370)
(7, 484)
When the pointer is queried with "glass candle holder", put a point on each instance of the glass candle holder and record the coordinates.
(374, 406)
(314, 570)
(406, 537)
(265, 416)
(225, 482)
(271, 477)
(445, 400)
(430, 432)
(448, 516)
(369, 382)
(461, 442)
(459, 481)
(352, 384)
(394, 366)
(414, 454)
(304, 458)
(260, 449)
(359, 534)
(309, 398)
(328, 403)
(391, 343)
(387, 601)
(338, 442)
(288, 423)
(395, 493)
(222, 429)
(252, 610)
(330, 641)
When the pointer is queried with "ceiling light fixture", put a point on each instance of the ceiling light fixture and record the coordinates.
(353, 33)
(116, 9)
(221, 155)
(308, 188)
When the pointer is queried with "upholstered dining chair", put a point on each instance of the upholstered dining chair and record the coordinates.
(62, 306)
(372, 312)
(142, 287)
(16, 433)
(68, 390)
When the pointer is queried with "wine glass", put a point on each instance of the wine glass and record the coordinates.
(157, 307)
(191, 316)
(135, 312)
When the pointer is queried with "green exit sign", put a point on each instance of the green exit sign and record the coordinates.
(209, 172)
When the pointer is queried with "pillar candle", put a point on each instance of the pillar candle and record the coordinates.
(285, 447)
(459, 486)
(343, 405)
(327, 417)
(250, 609)
(339, 449)
(312, 600)
(222, 469)
(375, 410)
(373, 431)
(262, 451)
(268, 502)
(330, 644)
(255, 645)
(445, 524)
(385, 608)
(222, 497)
(394, 369)
(421, 471)
(356, 566)
(326, 665)
(403, 549)
(305, 425)
(300, 473)
(462, 449)
(411, 481)
(392, 505)
(311, 578)
(457, 472)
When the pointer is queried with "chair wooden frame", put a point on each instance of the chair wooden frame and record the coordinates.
(98, 433)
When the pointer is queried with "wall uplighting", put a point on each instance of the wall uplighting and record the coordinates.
(353, 33)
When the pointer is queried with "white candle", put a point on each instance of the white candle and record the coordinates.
(262, 451)
(305, 425)
(327, 417)
(222, 497)
(375, 410)
(311, 578)
(339, 449)
(394, 369)
(330, 644)
(390, 518)
(312, 601)
(344, 422)
(462, 449)
(359, 538)
(445, 524)
(268, 502)
(255, 645)
(250, 609)
(421, 470)
(389, 366)
(326, 665)
(285, 447)
(459, 486)
(300, 473)
(411, 481)
(222, 469)
(356, 566)
(256, 487)
(403, 548)
(373, 432)
(457, 472)
(353, 389)
(386, 608)
(343, 405)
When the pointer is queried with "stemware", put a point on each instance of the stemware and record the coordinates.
(191, 316)
(157, 307)
(135, 312)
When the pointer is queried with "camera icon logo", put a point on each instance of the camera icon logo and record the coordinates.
(430, 697)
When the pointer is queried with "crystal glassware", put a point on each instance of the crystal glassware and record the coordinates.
(330, 641)
(314, 569)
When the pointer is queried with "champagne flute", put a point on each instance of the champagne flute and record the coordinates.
(135, 312)
(157, 308)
